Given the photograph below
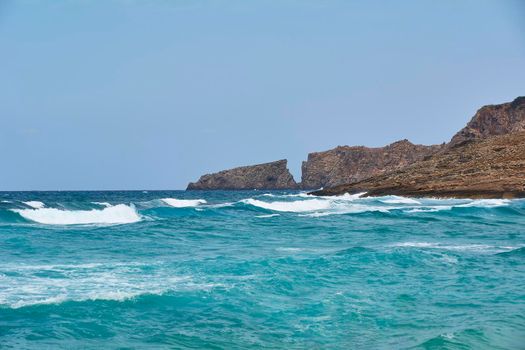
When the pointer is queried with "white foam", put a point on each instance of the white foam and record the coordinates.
(447, 205)
(300, 195)
(399, 200)
(289, 249)
(339, 209)
(454, 247)
(430, 209)
(351, 197)
(313, 206)
(183, 203)
(295, 206)
(7, 202)
(486, 203)
(118, 214)
(104, 204)
(221, 205)
(267, 216)
(34, 204)
(54, 284)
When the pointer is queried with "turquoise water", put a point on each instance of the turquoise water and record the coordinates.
(236, 270)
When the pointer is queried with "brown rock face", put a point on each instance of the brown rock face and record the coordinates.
(484, 168)
(267, 176)
(345, 164)
(493, 120)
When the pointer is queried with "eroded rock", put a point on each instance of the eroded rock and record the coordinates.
(345, 164)
(267, 176)
(493, 120)
(493, 167)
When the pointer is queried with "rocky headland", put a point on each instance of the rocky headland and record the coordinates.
(493, 120)
(485, 159)
(493, 167)
(267, 176)
(344, 164)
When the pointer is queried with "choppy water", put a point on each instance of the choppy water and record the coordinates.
(235, 270)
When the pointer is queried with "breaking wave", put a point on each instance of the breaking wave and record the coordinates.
(34, 204)
(118, 214)
(183, 203)
(266, 216)
(295, 207)
(399, 200)
(444, 204)
(486, 203)
(302, 204)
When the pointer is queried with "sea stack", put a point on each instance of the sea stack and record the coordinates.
(267, 176)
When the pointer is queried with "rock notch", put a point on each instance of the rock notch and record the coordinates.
(267, 176)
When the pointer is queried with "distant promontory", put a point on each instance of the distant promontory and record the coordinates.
(485, 159)
(267, 176)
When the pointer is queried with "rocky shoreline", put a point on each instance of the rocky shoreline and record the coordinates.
(485, 168)
(485, 159)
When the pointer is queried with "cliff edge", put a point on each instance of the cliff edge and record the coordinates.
(493, 120)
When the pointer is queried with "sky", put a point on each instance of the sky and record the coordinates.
(125, 94)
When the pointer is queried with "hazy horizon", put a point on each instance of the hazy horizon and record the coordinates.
(152, 95)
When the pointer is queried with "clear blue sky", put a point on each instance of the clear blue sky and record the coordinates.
(125, 94)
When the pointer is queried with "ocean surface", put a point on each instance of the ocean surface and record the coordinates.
(261, 270)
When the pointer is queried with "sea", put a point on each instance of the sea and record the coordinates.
(259, 270)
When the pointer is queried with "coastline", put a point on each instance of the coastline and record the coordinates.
(485, 159)
(489, 168)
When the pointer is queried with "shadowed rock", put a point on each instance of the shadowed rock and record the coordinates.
(267, 176)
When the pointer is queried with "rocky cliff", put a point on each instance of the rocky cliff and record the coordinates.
(345, 164)
(267, 176)
(493, 120)
(348, 168)
(493, 167)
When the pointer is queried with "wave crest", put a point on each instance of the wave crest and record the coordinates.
(295, 207)
(34, 204)
(183, 203)
(118, 214)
